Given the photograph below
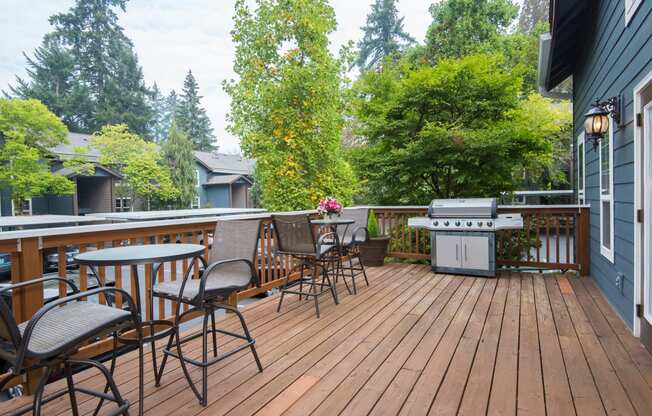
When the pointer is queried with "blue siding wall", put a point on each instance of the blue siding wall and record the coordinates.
(212, 196)
(614, 59)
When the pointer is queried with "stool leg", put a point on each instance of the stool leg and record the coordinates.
(38, 396)
(214, 333)
(71, 389)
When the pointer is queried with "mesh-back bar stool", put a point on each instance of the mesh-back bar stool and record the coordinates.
(295, 237)
(231, 268)
(350, 239)
(50, 338)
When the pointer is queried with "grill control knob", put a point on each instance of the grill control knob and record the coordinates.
(436, 223)
(469, 223)
(479, 223)
(489, 223)
(446, 223)
(457, 223)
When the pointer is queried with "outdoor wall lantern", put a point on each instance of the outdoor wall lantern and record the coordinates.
(596, 123)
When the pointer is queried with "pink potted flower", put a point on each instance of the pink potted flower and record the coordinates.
(329, 207)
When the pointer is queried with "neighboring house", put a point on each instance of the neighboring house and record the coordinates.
(93, 193)
(223, 180)
(606, 46)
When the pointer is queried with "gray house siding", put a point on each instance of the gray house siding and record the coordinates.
(211, 196)
(5, 202)
(615, 58)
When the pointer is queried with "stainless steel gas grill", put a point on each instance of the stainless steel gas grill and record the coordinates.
(463, 234)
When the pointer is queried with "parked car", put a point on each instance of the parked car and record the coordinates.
(51, 259)
(5, 266)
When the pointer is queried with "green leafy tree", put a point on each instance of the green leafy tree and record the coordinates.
(463, 27)
(87, 70)
(456, 129)
(146, 177)
(384, 35)
(179, 158)
(286, 107)
(27, 131)
(192, 118)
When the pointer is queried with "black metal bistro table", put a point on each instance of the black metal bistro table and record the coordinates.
(156, 255)
(333, 224)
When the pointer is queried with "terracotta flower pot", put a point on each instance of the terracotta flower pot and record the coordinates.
(373, 251)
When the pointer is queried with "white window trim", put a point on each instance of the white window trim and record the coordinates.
(196, 203)
(197, 178)
(631, 6)
(606, 252)
(581, 193)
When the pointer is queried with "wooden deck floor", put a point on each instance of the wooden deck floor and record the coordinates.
(419, 343)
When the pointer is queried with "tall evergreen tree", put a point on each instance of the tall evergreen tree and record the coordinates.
(170, 110)
(104, 69)
(178, 156)
(191, 117)
(158, 130)
(53, 80)
(383, 35)
(533, 12)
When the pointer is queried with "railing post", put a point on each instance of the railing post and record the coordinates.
(30, 299)
(583, 241)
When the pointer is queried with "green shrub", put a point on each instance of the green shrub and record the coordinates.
(372, 224)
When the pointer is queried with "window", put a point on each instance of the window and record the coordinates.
(123, 204)
(196, 203)
(606, 194)
(581, 177)
(25, 209)
(197, 177)
(630, 9)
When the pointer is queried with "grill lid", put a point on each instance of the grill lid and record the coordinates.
(463, 208)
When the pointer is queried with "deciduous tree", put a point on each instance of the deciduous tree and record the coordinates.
(286, 107)
(140, 162)
(27, 131)
(456, 129)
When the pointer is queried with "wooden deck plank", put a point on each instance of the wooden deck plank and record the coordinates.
(586, 398)
(452, 387)
(336, 376)
(558, 398)
(414, 343)
(424, 392)
(478, 385)
(530, 400)
(291, 366)
(636, 350)
(614, 397)
(502, 400)
(637, 389)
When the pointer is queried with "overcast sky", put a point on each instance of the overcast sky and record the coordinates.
(172, 36)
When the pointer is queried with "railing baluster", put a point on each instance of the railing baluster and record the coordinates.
(117, 273)
(83, 274)
(62, 270)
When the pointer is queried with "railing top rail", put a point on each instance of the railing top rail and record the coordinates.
(136, 225)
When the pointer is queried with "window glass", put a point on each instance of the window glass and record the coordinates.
(605, 165)
(606, 224)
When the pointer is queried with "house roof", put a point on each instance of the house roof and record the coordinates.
(76, 140)
(69, 173)
(558, 54)
(225, 180)
(225, 163)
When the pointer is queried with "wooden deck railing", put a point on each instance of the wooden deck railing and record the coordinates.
(553, 237)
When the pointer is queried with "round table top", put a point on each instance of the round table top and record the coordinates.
(151, 253)
(333, 221)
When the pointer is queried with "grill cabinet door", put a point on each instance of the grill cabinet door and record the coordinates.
(475, 252)
(449, 251)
